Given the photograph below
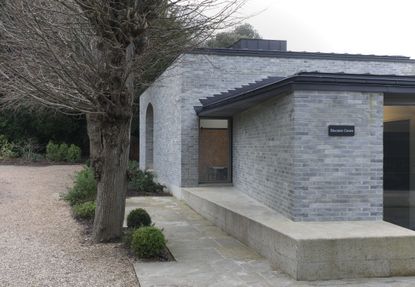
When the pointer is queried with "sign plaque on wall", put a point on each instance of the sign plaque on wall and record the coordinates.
(341, 131)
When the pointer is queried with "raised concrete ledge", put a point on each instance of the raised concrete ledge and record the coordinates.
(308, 250)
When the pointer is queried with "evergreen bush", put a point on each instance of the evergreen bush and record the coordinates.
(148, 242)
(85, 210)
(143, 181)
(84, 189)
(62, 152)
(7, 148)
(52, 151)
(73, 153)
(138, 218)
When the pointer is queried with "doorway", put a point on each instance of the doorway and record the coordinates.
(396, 172)
(214, 151)
(399, 165)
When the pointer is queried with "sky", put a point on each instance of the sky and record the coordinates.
(380, 27)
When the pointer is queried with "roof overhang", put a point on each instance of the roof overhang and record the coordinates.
(230, 103)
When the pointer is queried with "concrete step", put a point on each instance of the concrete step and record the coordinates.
(308, 250)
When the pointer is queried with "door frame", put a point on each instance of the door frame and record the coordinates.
(230, 150)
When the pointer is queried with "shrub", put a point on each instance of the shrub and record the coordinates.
(138, 218)
(63, 152)
(143, 181)
(148, 242)
(73, 153)
(28, 150)
(84, 210)
(7, 149)
(84, 189)
(52, 151)
(43, 125)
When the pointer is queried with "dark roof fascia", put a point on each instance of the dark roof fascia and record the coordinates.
(258, 95)
(300, 55)
(311, 81)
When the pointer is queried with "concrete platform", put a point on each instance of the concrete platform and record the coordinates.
(308, 250)
(205, 255)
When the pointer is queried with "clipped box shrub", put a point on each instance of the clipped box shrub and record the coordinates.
(148, 242)
(84, 188)
(85, 210)
(73, 153)
(138, 218)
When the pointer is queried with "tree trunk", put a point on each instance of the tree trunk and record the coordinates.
(95, 141)
(111, 173)
(110, 147)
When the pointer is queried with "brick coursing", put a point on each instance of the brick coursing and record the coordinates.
(164, 95)
(263, 154)
(282, 149)
(196, 76)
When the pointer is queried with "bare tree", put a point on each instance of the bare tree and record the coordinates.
(87, 56)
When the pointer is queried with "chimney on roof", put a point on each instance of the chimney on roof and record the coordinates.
(260, 44)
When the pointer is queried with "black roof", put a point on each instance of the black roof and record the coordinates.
(236, 100)
(300, 55)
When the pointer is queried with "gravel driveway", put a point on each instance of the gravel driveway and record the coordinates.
(40, 243)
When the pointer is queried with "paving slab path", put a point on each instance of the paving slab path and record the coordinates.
(206, 256)
(41, 244)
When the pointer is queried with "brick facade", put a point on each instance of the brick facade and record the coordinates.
(197, 76)
(284, 158)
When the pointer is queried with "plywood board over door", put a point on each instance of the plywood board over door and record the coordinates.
(214, 155)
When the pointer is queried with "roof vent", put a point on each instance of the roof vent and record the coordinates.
(260, 44)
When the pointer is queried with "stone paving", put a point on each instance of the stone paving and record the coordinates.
(206, 256)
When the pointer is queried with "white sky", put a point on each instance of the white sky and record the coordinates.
(381, 27)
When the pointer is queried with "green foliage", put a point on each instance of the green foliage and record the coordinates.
(142, 181)
(127, 237)
(28, 150)
(44, 126)
(84, 189)
(138, 218)
(148, 242)
(73, 153)
(226, 39)
(63, 152)
(52, 152)
(7, 149)
(84, 210)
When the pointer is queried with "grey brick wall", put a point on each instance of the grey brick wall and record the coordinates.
(263, 154)
(197, 76)
(205, 75)
(284, 158)
(164, 95)
(338, 178)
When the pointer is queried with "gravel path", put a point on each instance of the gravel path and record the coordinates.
(40, 243)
